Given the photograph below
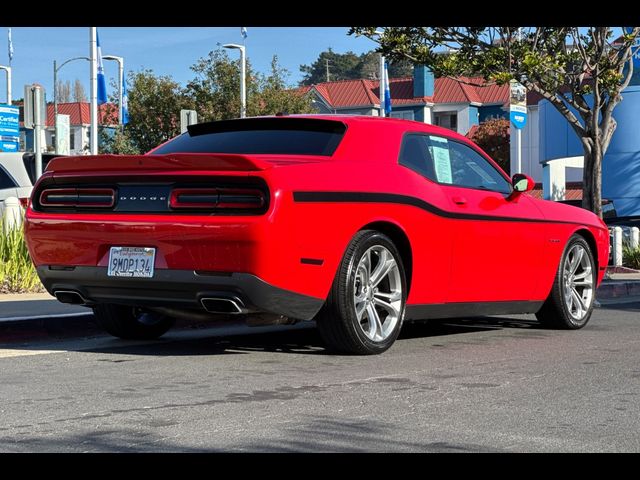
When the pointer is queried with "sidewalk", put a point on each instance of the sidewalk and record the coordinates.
(36, 306)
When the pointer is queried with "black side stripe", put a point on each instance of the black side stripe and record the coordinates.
(366, 197)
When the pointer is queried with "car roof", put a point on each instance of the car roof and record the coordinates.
(355, 119)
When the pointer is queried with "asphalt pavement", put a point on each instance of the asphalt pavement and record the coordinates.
(473, 385)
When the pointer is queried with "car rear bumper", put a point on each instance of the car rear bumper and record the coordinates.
(179, 289)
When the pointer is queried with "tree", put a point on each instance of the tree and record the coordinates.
(276, 96)
(349, 66)
(370, 67)
(215, 91)
(154, 109)
(117, 142)
(341, 66)
(581, 72)
(63, 91)
(79, 94)
(493, 137)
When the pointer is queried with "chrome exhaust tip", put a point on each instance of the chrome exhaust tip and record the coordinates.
(70, 296)
(228, 305)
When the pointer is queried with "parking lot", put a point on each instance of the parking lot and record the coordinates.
(487, 384)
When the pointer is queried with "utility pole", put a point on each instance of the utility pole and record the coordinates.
(327, 64)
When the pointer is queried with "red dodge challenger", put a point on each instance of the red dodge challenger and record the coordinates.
(358, 223)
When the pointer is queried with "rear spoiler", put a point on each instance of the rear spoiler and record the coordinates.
(172, 161)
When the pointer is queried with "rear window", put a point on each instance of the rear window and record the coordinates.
(285, 136)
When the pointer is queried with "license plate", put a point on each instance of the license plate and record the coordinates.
(131, 262)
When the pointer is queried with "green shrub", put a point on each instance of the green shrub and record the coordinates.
(17, 273)
(630, 256)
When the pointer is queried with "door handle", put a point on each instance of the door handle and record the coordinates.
(459, 200)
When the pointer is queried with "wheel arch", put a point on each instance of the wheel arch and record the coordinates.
(400, 239)
(591, 240)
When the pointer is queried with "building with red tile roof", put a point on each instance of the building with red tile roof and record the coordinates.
(458, 104)
(79, 125)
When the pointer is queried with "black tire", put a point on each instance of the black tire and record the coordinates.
(554, 312)
(131, 323)
(337, 321)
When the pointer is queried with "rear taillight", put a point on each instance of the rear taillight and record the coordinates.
(241, 198)
(227, 199)
(24, 202)
(201, 198)
(77, 197)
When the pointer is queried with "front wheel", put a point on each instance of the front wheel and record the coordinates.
(570, 303)
(365, 308)
(131, 323)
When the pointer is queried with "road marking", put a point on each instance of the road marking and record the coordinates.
(44, 317)
(8, 353)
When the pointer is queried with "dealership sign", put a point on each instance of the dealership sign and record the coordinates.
(518, 104)
(9, 128)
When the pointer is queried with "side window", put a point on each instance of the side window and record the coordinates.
(415, 154)
(450, 163)
(470, 169)
(5, 180)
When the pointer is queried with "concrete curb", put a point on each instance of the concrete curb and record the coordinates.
(618, 289)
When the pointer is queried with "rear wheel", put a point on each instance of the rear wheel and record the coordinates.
(365, 308)
(570, 303)
(131, 322)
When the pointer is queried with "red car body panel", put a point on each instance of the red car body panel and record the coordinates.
(466, 245)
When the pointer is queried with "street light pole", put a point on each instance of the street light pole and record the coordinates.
(55, 95)
(8, 70)
(243, 77)
(120, 61)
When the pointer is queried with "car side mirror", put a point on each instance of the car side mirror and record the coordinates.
(522, 183)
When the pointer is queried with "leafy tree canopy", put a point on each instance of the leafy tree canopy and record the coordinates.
(349, 66)
(493, 137)
(155, 101)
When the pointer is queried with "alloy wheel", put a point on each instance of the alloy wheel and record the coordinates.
(578, 282)
(377, 293)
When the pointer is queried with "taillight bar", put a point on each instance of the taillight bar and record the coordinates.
(78, 197)
(193, 198)
(245, 198)
(217, 198)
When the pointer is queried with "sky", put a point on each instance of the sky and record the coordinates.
(165, 50)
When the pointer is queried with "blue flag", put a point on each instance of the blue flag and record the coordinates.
(387, 91)
(102, 85)
(243, 32)
(125, 101)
